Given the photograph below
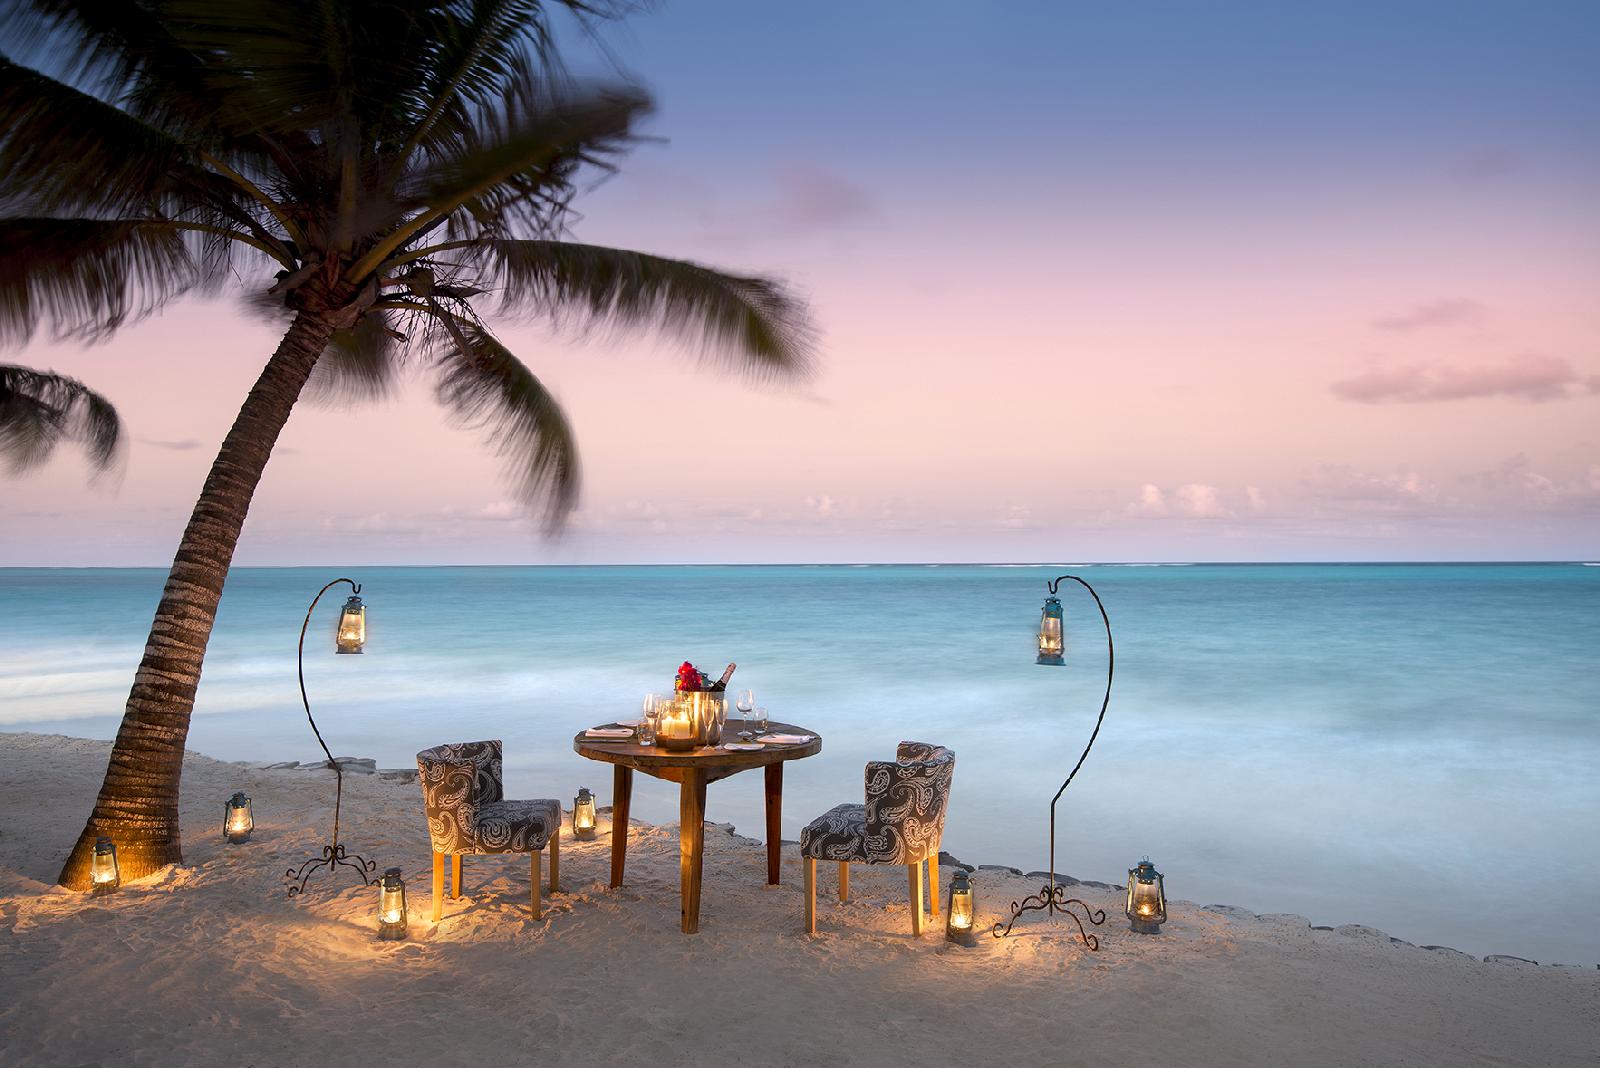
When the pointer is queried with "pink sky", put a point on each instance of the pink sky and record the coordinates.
(1157, 353)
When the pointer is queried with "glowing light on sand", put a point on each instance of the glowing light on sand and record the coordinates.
(1147, 898)
(237, 819)
(962, 911)
(583, 815)
(104, 875)
(392, 906)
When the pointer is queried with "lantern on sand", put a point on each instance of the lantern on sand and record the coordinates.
(104, 875)
(1147, 898)
(392, 906)
(583, 815)
(237, 819)
(961, 912)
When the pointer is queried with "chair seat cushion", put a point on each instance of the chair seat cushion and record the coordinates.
(838, 834)
(515, 826)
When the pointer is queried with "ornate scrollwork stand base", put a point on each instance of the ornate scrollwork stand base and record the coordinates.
(333, 856)
(1052, 897)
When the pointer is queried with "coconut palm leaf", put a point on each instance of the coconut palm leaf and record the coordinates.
(40, 409)
(87, 277)
(751, 323)
(486, 388)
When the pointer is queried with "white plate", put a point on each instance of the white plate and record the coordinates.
(743, 747)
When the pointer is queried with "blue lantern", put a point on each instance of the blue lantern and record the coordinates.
(1051, 645)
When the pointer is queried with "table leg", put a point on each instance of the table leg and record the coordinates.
(691, 845)
(774, 820)
(621, 795)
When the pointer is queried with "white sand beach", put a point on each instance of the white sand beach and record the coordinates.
(210, 964)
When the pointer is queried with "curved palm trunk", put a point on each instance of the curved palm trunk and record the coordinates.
(138, 802)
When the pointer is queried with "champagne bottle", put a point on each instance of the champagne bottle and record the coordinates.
(722, 683)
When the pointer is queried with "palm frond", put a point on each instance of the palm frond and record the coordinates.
(747, 323)
(485, 387)
(359, 364)
(87, 277)
(63, 150)
(513, 167)
(40, 409)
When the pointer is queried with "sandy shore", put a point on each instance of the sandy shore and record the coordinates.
(210, 964)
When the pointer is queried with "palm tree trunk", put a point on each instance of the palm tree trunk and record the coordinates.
(138, 803)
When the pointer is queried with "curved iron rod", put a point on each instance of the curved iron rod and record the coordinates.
(1111, 664)
(300, 665)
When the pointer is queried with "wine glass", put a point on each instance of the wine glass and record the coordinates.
(746, 701)
(761, 722)
(646, 731)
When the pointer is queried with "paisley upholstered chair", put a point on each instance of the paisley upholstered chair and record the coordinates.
(466, 814)
(901, 823)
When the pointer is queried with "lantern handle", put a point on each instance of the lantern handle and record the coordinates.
(300, 664)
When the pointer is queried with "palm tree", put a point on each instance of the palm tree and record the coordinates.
(391, 161)
(40, 409)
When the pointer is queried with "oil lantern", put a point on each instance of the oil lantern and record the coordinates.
(237, 820)
(1050, 644)
(961, 913)
(392, 906)
(583, 815)
(1147, 898)
(104, 875)
(352, 632)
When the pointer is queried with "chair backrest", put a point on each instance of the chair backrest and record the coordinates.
(456, 780)
(907, 799)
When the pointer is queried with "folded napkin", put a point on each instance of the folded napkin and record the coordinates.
(608, 732)
(785, 739)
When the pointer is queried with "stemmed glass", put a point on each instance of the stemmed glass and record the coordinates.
(646, 731)
(746, 702)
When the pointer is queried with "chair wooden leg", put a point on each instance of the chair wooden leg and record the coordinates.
(809, 864)
(933, 886)
(555, 860)
(915, 872)
(455, 875)
(535, 898)
(438, 886)
(844, 880)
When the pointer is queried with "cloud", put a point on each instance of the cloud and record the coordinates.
(1401, 491)
(183, 445)
(810, 196)
(1151, 502)
(1450, 312)
(1531, 378)
(1192, 501)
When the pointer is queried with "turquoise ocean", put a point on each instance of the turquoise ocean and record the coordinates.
(1411, 747)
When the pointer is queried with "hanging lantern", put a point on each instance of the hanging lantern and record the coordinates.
(961, 912)
(1147, 898)
(392, 906)
(104, 875)
(352, 632)
(583, 816)
(1050, 643)
(237, 820)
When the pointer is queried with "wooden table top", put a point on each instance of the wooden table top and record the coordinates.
(629, 753)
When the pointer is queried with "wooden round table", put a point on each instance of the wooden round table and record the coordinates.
(692, 770)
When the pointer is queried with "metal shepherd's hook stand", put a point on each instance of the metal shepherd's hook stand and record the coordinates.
(1052, 897)
(333, 854)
